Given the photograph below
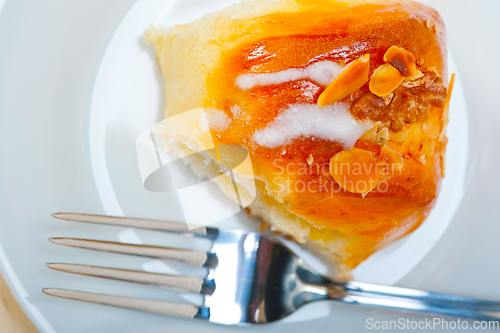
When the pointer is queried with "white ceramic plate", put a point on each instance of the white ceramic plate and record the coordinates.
(51, 109)
(128, 99)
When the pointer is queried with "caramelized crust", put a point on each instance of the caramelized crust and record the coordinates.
(342, 36)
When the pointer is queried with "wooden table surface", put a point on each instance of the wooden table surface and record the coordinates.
(12, 318)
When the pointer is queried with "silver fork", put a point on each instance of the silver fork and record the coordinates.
(253, 275)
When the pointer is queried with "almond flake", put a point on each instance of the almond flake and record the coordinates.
(355, 170)
(430, 22)
(415, 147)
(446, 109)
(398, 137)
(433, 69)
(402, 59)
(371, 135)
(443, 156)
(310, 159)
(388, 99)
(353, 77)
(413, 84)
(385, 80)
(431, 127)
(393, 159)
(418, 75)
(383, 134)
(428, 148)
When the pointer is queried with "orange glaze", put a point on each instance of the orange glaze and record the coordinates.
(327, 30)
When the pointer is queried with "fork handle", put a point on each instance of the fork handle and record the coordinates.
(398, 303)
(461, 302)
(403, 299)
(318, 287)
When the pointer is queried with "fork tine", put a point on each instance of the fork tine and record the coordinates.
(190, 257)
(175, 282)
(182, 310)
(137, 223)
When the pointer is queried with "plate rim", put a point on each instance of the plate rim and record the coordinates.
(106, 191)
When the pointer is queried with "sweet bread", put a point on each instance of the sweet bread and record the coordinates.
(342, 106)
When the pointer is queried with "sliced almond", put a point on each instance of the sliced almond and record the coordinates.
(383, 134)
(443, 156)
(409, 83)
(428, 148)
(352, 78)
(310, 159)
(388, 99)
(446, 108)
(417, 76)
(371, 135)
(433, 69)
(355, 170)
(415, 151)
(393, 159)
(420, 157)
(385, 80)
(432, 126)
(415, 146)
(402, 59)
(430, 22)
(398, 137)
(442, 136)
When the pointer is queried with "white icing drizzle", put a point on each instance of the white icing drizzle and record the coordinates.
(236, 111)
(334, 123)
(322, 72)
(217, 120)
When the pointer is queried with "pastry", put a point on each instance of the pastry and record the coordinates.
(342, 106)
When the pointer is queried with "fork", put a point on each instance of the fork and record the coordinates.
(253, 275)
